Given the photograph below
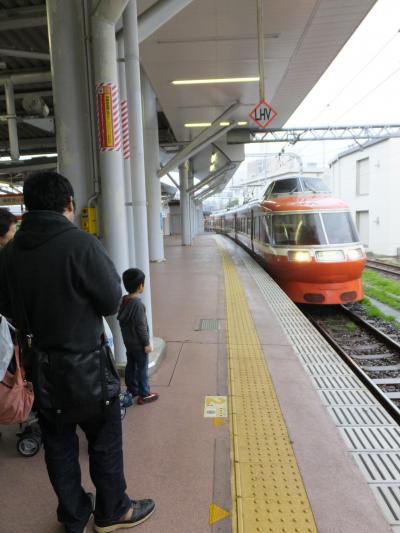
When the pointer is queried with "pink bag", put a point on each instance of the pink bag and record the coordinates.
(16, 396)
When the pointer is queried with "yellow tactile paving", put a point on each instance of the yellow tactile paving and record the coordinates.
(267, 489)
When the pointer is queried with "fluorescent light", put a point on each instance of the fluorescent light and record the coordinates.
(215, 80)
(213, 157)
(224, 123)
(212, 167)
(242, 123)
(197, 124)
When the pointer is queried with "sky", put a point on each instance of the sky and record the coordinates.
(361, 86)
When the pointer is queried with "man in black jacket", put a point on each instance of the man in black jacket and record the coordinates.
(65, 283)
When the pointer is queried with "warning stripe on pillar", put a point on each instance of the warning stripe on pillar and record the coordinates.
(108, 117)
(125, 129)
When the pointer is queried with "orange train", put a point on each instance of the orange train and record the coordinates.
(305, 238)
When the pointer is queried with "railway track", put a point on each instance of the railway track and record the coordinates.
(373, 355)
(384, 268)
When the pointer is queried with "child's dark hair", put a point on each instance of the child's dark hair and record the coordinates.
(6, 219)
(133, 278)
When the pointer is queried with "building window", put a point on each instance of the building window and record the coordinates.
(363, 176)
(362, 222)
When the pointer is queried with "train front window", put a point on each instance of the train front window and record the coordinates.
(339, 228)
(286, 186)
(315, 185)
(298, 229)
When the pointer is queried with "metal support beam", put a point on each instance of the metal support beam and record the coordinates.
(22, 17)
(28, 54)
(12, 120)
(136, 143)
(323, 133)
(206, 137)
(208, 179)
(185, 205)
(24, 78)
(157, 15)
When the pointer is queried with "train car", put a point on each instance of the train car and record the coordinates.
(305, 238)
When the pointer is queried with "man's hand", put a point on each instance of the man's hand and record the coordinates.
(148, 349)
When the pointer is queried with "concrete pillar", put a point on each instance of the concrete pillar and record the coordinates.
(132, 70)
(126, 150)
(114, 224)
(71, 92)
(185, 204)
(152, 164)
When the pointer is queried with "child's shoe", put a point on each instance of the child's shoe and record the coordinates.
(151, 397)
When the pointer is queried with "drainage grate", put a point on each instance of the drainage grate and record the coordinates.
(379, 467)
(362, 439)
(388, 497)
(372, 415)
(210, 324)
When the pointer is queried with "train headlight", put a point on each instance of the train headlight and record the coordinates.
(329, 256)
(300, 256)
(354, 254)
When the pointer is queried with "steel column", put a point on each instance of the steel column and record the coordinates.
(114, 224)
(185, 206)
(71, 95)
(152, 164)
(132, 70)
(11, 120)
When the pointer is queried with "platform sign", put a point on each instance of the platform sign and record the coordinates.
(215, 407)
(11, 199)
(108, 116)
(263, 114)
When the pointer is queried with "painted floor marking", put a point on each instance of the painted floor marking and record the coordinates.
(267, 490)
(215, 407)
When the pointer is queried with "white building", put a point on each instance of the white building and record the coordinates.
(368, 179)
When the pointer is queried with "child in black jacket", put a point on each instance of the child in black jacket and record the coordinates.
(135, 332)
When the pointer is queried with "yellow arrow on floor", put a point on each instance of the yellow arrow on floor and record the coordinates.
(216, 514)
(218, 422)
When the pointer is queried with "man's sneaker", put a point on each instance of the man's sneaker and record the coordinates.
(152, 397)
(142, 510)
(126, 399)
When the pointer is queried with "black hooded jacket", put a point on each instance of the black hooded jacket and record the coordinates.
(133, 321)
(65, 278)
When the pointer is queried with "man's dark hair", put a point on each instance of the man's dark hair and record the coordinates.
(47, 191)
(133, 278)
(6, 219)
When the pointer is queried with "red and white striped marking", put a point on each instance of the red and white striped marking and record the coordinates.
(116, 117)
(125, 129)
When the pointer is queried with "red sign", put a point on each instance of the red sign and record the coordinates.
(263, 114)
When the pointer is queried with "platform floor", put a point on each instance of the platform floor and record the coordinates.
(176, 455)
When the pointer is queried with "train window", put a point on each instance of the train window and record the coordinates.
(314, 185)
(248, 229)
(256, 235)
(298, 229)
(269, 191)
(286, 186)
(339, 228)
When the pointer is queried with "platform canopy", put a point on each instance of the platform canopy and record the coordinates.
(201, 39)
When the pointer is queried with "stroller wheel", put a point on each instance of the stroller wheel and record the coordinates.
(28, 446)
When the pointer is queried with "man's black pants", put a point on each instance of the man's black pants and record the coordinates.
(106, 469)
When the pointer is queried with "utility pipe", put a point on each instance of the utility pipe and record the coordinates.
(23, 78)
(126, 150)
(12, 120)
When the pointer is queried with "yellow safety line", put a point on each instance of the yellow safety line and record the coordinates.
(268, 494)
